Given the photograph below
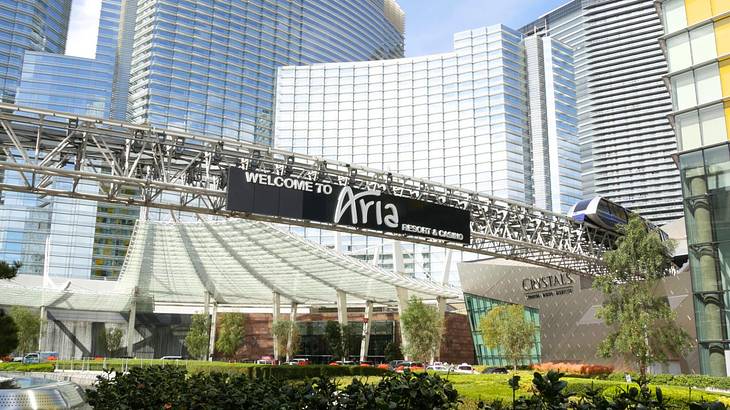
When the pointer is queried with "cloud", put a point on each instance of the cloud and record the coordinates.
(83, 28)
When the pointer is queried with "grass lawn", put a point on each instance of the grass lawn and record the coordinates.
(491, 387)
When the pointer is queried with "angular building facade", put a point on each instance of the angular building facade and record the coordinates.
(209, 67)
(626, 141)
(459, 118)
(697, 45)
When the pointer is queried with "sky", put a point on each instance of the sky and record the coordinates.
(430, 24)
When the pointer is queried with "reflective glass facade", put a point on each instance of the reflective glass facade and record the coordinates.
(83, 237)
(626, 140)
(697, 45)
(208, 66)
(28, 25)
(478, 307)
(459, 118)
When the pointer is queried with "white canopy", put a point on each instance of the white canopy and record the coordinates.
(246, 262)
(236, 262)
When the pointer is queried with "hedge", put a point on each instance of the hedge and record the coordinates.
(20, 367)
(685, 380)
(287, 372)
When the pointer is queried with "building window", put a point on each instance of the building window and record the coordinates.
(675, 17)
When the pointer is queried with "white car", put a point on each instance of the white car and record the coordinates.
(438, 367)
(464, 369)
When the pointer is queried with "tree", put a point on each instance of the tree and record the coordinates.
(29, 326)
(392, 352)
(422, 327)
(336, 337)
(8, 334)
(8, 271)
(196, 341)
(643, 327)
(505, 327)
(232, 331)
(113, 340)
(283, 330)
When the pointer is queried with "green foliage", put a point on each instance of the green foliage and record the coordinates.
(506, 327)
(20, 367)
(422, 327)
(28, 323)
(8, 271)
(283, 330)
(172, 388)
(335, 335)
(196, 341)
(392, 352)
(8, 334)
(113, 340)
(232, 331)
(643, 327)
(686, 380)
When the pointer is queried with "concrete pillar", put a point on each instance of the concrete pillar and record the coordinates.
(213, 321)
(366, 325)
(130, 328)
(441, 307)
(402, 305)
(43, 319)
(447, 268)
(342, 307)
(277, 312)
(398, 266)
(338, 242)
(293, 320)
(206, 303)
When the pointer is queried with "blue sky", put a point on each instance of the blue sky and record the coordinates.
(430, 24)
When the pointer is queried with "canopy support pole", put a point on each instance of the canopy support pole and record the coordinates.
(213, 321)
(365, 344)
(441, 307)
(130, 328)
(342, 307)
(447, 268)
(398, 267)
(293, 321)
(277, 312)
(40, 329)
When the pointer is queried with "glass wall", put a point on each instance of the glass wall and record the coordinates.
(313, 344)
(706, 183)
(478, 307)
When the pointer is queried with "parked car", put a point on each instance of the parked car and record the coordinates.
(264, 361)
(412, 366)
(439, 367)
(301, 362)
(495, 370)
(394, 364)
(464, 369)
(342, 363)
(40, 357)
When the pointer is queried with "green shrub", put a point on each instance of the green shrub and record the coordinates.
(20, 367)
(158, 387)
(288, 372)
(686, 380)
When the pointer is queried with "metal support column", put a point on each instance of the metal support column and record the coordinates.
(402, 305)
(130, 328)
(293, 321)
(213, 321)
(366, 327)
(277, 312)
(441, 306)
(41, 343)
(342, 307)
(447, 268)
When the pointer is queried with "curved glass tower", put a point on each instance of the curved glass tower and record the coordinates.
(28, 25)
(209, 66)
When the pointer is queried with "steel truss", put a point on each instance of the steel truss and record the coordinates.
(156, 168)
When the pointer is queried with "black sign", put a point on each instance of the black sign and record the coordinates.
(289, 197)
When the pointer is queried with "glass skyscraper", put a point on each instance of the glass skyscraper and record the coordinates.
(697, 44)
(208, 66)
(28, 25)
(204, 66)
(626, 140)
(459, 118)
